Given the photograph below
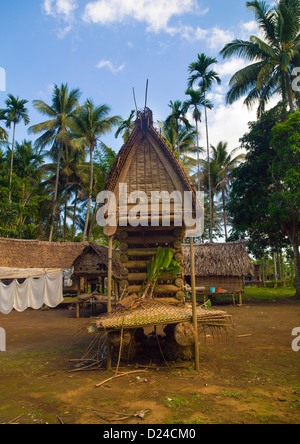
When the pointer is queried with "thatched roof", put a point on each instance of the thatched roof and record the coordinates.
(102, 253)
(37, 254)
(219, 259)
(146, 163)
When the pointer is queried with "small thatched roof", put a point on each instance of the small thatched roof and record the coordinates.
(219, 259)
(102, 253)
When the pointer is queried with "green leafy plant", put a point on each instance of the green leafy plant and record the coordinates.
(160, 264)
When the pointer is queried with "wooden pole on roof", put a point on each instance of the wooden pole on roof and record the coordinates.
(109, 291)
(194, 302)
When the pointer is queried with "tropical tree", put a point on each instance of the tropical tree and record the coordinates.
(126, 126)
(14, 113)
(3, 132)
(273, 56)
(60, 112)
(196, 101)
(177, 117)
(201, 72)
(226, 162)
(88, 125)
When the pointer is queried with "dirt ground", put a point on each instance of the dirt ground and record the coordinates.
(251, 375)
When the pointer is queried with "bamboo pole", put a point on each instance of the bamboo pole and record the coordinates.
(194, 302)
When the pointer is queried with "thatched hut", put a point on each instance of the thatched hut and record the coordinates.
(146, 164)
(84, 265)
(91, 268)
(219, 265)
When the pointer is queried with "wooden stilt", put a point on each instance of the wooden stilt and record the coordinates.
(109, 291)
(194, 301)
(77, 303)
(240, 298)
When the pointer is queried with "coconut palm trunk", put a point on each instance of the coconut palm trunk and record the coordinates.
(224, 214)
(208, 171)
(90, 192)
(12, 162)
(55, 193)
(74, 215)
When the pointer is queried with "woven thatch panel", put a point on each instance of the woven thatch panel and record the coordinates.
(147, 172)
(94, 261)
(225, 259)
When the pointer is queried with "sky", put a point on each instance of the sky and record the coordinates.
(107, 47)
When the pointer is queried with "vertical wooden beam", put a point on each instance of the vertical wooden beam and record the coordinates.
(78, 294)
(109, 291)
(194, 302)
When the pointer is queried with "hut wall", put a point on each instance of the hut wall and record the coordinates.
(230, 283)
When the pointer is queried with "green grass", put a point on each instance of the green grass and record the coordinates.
(267, 293)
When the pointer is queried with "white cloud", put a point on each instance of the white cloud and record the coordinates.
(108, 64)
(155, 13)
(60, 8)
(63, 11)
(231, 67)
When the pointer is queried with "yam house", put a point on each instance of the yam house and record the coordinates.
(146, 164)
(34, 273)
(219, 266)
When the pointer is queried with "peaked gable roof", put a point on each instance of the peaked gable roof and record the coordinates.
(146, 163)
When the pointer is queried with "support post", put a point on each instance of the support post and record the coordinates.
(194, 302)
(78, 294)
(109, 291)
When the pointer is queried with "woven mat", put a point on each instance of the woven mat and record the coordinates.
(148, 313)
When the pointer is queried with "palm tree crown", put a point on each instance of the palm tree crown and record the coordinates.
(274, 56)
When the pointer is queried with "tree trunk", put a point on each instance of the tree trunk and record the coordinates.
(74, 215)
(297, 268)
(90, 194)
(198, 157)
(208, 172)
(289, 91)
(224, 214)
(11, 163)
(66, 208)
(55, 193)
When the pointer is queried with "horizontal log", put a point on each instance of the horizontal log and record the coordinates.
(159, 289)
(139, 265)
(142, 252)
(153, 239)
(170, 301)
(136, 277)
(180, 295)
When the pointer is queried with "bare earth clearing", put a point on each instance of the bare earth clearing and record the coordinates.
(249, 379)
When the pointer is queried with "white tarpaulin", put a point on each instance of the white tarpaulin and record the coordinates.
(33, 293)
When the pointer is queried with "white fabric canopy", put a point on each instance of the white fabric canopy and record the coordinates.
(33, 293)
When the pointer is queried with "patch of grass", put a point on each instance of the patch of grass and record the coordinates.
(268, 293)
(175, 402)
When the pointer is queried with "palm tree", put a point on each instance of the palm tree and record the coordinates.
(205, 77)
(225, 162)
(177, 117)
(87, 126)
(64, 104)
(273, 57)
(14, 113)
(195, 101)
(3, 133)
(126, 127)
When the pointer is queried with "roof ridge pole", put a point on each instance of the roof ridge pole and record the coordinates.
(194, 303)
